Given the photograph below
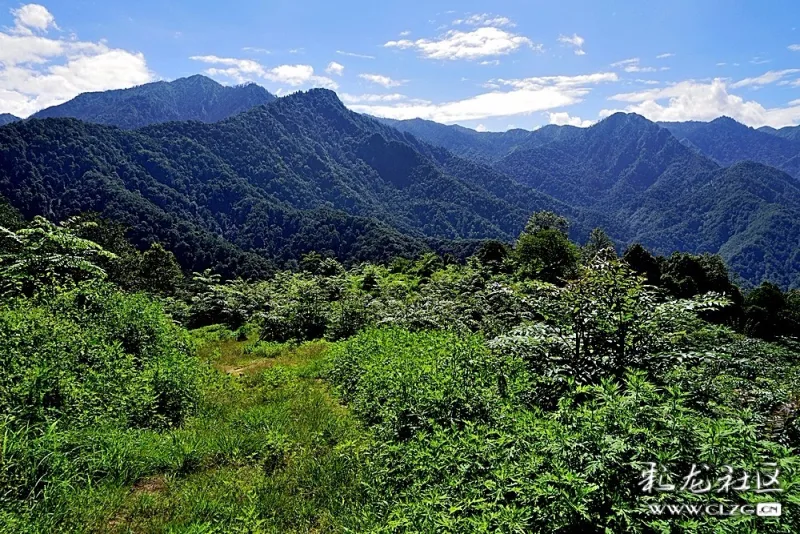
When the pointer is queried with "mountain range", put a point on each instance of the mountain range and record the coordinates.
(7, 118)
(265, 182)
(195, 98)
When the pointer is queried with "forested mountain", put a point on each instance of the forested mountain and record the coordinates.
(7, 118)
(787, 132)
(487, 147)
(727, 142)
(655, 189)
(194, 98)
(302, 174)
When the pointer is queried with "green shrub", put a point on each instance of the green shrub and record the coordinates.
(94, 356)
(402, 382)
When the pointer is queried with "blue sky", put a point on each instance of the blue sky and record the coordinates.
(486, 65)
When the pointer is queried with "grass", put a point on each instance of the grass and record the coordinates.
(269, 451)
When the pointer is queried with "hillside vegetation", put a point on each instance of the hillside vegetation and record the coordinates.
(524, 390)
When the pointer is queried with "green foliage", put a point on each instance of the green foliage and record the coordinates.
(94, 356)
(401, 383)
(598, 242)
(46, 255)
(546, 255)
(546, 220)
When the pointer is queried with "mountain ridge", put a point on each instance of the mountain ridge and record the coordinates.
(193, 98)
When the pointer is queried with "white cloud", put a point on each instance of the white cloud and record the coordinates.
(794, 47)
(379, 79)
(721, 64)
(479, 43)
(364, 98)
(405, 33)
(664, 56)
(563, 118)
(245, 70)
(484, 19)
(704, 101)
(560, 81)
(528, 95)
(335, 68)
(353, 54)
(759, 60)
(256, 49)
(575, 41)
(632, 65)
(32, 17)
(648, 82)
(492, 62)
(37, 71)
(766, 78)
(481, 128)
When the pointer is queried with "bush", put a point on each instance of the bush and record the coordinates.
(403, 382)
(94, 356)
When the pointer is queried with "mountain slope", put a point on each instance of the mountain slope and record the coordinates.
(656, 189)
(727, 142)
(7, 118)
(194, 98)
(301, 174)
(787, 132)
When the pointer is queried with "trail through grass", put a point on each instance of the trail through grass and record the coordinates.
(270, 451)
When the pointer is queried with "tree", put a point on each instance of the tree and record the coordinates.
(643, 263)
(492, 255)
(546, 220)
(598, 241)
(546, 255)
(769, 312)
(49, 255)
(159, 271)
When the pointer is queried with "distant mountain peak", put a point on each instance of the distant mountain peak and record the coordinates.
(192, 98)
(8, 118)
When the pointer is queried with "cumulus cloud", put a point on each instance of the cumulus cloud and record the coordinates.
(562, 118)
(476, 44)
(32, 17)
(481, 128)
(794, 47)
(766, 78)
(484, 19)
(335, 68)
(576, 41)
(248, 70)
(523, 96)
(380, 79)
(704, 101)
(38, 71)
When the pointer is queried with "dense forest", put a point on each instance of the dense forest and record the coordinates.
(666, 190)
(260, 189)
(525, 389)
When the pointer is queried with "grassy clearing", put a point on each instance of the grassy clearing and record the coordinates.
(270, 450)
